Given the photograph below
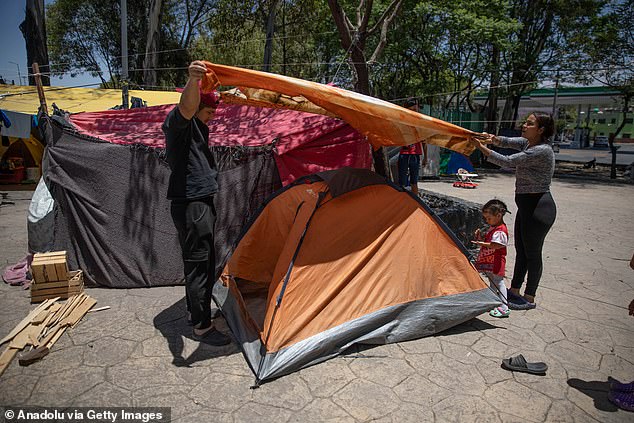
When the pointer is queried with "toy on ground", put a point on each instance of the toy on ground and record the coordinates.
(464, 179)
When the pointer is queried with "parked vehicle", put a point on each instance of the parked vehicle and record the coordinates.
(601, 141)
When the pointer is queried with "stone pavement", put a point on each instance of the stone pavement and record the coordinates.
(125, 356)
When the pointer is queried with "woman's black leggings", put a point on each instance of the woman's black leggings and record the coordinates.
(535, 216)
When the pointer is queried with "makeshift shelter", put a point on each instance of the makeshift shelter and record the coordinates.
(20, 151)
(339, 258)
(20, 160)
(20, 104)
(108, 178)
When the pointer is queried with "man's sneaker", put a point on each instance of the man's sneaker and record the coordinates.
(212, 337)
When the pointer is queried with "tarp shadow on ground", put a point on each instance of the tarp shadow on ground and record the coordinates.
(172, 323)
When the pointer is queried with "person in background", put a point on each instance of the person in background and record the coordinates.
(192, 186)
(492, 257)
(409, 160)
(536, 210)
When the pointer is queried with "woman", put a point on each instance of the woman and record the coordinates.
(535, 165)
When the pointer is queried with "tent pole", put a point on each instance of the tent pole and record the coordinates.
(40, 90)
(124, 54)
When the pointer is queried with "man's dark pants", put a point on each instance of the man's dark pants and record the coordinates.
(194, 221)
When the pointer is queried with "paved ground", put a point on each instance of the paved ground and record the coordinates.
(581, 328)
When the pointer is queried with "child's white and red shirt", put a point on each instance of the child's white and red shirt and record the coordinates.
(490, 260)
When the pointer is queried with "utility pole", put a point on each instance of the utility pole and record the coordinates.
(19, 76)
(555, 109)
(124, 53)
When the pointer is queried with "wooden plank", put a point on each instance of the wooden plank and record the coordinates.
(81, 311)
(26, 337)
(38, 256)
(38, 273)
(54, 308)
(62, 310)
(6, 357)
(40, 317)
(99, 309)
(62, 270)
(78, 304)
(76, 277)
(27, 320)
(49, 266)
(55, 284)
(34, 334)
(58, 313)
(73, 303)
(61, 290)
(63, 296)
(56, 337)
(20, 340)
(51, 334)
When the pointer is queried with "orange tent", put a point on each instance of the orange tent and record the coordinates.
(339, 258)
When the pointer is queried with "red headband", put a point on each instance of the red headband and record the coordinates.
(211, 99)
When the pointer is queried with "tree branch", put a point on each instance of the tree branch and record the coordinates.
(391, 9)
(342, 23)
(396, 4)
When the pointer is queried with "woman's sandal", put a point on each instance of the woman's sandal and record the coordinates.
(517, 302)
(499, 312)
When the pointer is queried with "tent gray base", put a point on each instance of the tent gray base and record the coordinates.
(397, 323)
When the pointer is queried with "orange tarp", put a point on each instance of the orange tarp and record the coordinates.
(386, 250)
(384, 123)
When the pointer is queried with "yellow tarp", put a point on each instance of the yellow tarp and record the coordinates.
(24, 99)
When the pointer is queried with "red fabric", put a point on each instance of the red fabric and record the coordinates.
(412, 149)
(490, 260)
(305, 143)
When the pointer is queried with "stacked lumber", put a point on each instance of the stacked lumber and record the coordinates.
(43, 327)
(51, 277)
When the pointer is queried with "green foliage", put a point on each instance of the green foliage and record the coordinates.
(438, 50)
(84, 34)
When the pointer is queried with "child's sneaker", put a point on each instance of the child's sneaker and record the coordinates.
(499, 312)
(623, 400)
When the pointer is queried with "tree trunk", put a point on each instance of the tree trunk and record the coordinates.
(353, 39)
(34, 32)
(270, 32)
(152, 45)
(492, 111)
(612, 137)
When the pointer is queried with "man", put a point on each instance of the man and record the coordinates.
(409, 157)
(192, 186)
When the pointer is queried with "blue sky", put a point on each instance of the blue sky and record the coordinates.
(13, 48)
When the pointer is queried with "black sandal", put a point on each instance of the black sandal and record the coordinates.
(519, 364)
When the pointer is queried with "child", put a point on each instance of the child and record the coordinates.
(492, 258)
